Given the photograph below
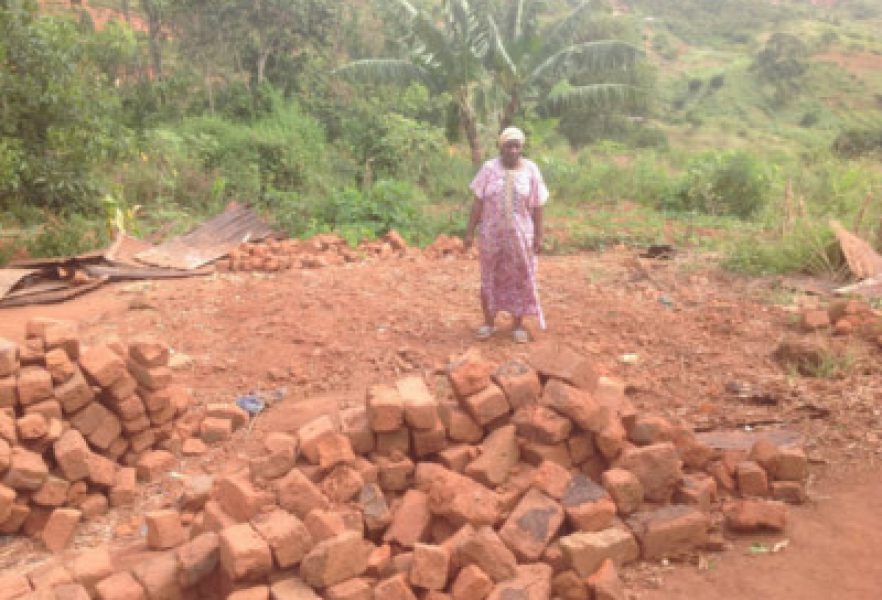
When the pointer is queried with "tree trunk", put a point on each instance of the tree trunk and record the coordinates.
(470, 126)
(511, 109)
(154, 30)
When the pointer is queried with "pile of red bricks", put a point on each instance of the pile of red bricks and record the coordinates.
(532, 480)
(70, 417)
(329, 249)
(844, 317)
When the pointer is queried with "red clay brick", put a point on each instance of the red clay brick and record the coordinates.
(91, 566)
(420, 407)
(8, 357)
(150, 378)
(469, 374)
(93, 505)
(605, 583)
(102, 366)
(486, 550)
(89, 418)
(149, 352)
(287, 536)
(125, 488)
(519, 382)
(532, 525)
(102, 471)
(471, 584)
(430, 566)
(756, 515)
(60, 528)
(298, 495)
(238, 496)
(342, 484)
(49, 575)
(390, 442)
(333, 449)
(198, 558)
(587, 505)
(429, 441)
(52, 493)
(394, 588)
(324, 524)
(559, 361)
(244, 554)
(385, 408)
(624, 488)
(335, 560)
(670, 531)
(7, 500)
(541, 424)
(460, 426)
(586, 551)
(410, 522)
(8, 392)
(27, 471)
(59, 365)
(354, 424)
(551, 478)
(13, 585)
(32, 426)
(352, 589)
(152, 465)
(33, 384)
(576, 404)
(74, 394)
(487, 405)
(120, 586)
(499, 453)
(158, 575)
(752, 479)
(164, 529)
(656, 466)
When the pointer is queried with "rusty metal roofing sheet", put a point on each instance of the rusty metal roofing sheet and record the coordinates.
(9, 278)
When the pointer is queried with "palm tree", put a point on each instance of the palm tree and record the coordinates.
(450, 58)
(528, 63)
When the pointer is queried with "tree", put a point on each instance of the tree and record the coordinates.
(529, 62)
(450, 58)
(782, 63)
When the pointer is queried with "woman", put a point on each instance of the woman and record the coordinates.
(509, 195)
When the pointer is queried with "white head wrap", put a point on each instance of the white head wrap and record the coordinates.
(511, 134)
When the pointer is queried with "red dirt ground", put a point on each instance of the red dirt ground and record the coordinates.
(324, 335)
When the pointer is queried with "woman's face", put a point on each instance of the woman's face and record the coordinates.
(510, 152)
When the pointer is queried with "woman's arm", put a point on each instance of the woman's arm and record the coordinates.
(474, 219)
(537, 229)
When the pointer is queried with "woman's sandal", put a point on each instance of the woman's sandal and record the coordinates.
(521, 336)
(484, 332)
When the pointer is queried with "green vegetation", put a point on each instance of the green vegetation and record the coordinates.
(737, 125)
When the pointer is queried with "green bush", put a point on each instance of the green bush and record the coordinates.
(853, 143)
(810, 249)
(68, 236)
(731, 183)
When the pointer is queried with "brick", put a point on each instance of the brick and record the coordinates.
(32, 426)
(752, 479)
(764, 452)
(698, 490)
(352, 589)
(125, 488)
(812, 320)
(292, 588)
(90, 567)
(122, 389)
(13, 585)
(244, 554)
(62, 334)
(588, 506)
(163, 416)
(471, 584)
(355, 425)
(430, 566)
(335, 560)
(238, 497)
(8, 392)
(569, 586)
(534, 453)
(394, 471)
(149, 352)
(519, 382)
(670, 531)
(5, 455)
(106, 433)
(48, 409)
(164, 529)
(258, 592)
(411, 520)
(792, 464)
(541, 424)
(8, 357)
(499, 453)
(7, 499)
(487, 405)
(333, 449)
(488, 551)
(420, 407)
(60, 528)
(372, 503)
(298, 495)
(469, 374)
(102, 366)
(120, 586)
(605, 583)
(17, 516)
(49, 575)
(532, 525)
(310, 434)
(459, 425)
(611, 440)
(394, 588)
(149, 378)
(586, 551)
(158, 575)
(221, 410)
(385, 408)
(74, 394)
(558, 361)
(429, 441)
(791, 492)
(89, 418)
(625, 489)
(93, 506)
(287, 536)
(8, 431)
(457, 457)
(551, 478)
(33, 384)
(154, 464)
(27, 471)
(393, 441)
(656, 466)
(651, 429)
(141, 441)
(52, 493)
(462, 500)
(71, 591)
(102, 471)
(195, 447)
(755, 515)
(576, 404)
(59, 365)
(198, 558)
(32, 352)
(342, 484)
(531, 582)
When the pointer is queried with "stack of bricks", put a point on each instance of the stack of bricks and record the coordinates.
(77, 424)
(533, 480)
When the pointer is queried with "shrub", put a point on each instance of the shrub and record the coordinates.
(810, 249)
(721, 183)
(852, 143)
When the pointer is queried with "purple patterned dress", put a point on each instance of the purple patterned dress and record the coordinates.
(508, 263)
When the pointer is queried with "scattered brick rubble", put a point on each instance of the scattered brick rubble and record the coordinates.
(330, 249)
(537, 479)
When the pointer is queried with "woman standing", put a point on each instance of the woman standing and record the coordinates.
(509, 195)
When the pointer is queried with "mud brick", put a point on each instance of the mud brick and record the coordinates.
(353, 589)
(52, 493)
(164, 529)
(70, 591)
(106, 433)
(429, 441)
(310, 433)
(576, 404)
(697, 489)
(120, 586)
(385, 408)
(131, 408)
(149, 352)
(8, 357)
(298, 495)
(74, 394)
(5, 454)
(244, 554)
(812, 320)
(354, 425)
(258, 592)
(551, 478)
(471, 583)
(36, 521)
(353, 520)
(8, 392)
(60, 528)
(394, 588)
(27, 471)
(460, 426)
(488, 551)
(533, 523)
(379, 561)
(581, 446)
(271, 466)
(13, 585)
(587, 505)
(281, 443)
(554, 556)
(372, 503)
(17, 516)
(102, 366)
(569, 585)
(410, 521)
(487, 405)
(324, 524)
(181, 398)
(48, 575)
(161, 417)
(287, 536)
(534, 453)
(656, 466)
(32, 352)
(215, 429)
(612, 439)
(721, 475)
(32, 426)
(531, 582)
(499, 453)
(335, 560)
(33, 384)
(624, 488)
(7, 500)
(333, 449)
(90, 567)
(651, 429)
(586, 551)
(394, 472)
(59, 365)
(238, 496)
(94, 505)
(76, 493)
(197, 490)
(158, 575)
(605, 584)
(469, 374)
(123, 388)
(8, 431)
(694, 453)
(764, 452)
(198, 558)
(150, 378)
(368, 470)
(143, 440)
(558, 361)
(61, 334)
(152, 465)
(49, 409)
(457, 457)
(791, 465)
(755, 515)
(393, 441)
(420, 407)
(541, 424)
(292, 588)
(462, 500)
(791, 492)
(519, 382)
(159, 400)
(752, 479)
(430, 566)
(670, 531)
(196, 447)
(89, 418)
(342, 484)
